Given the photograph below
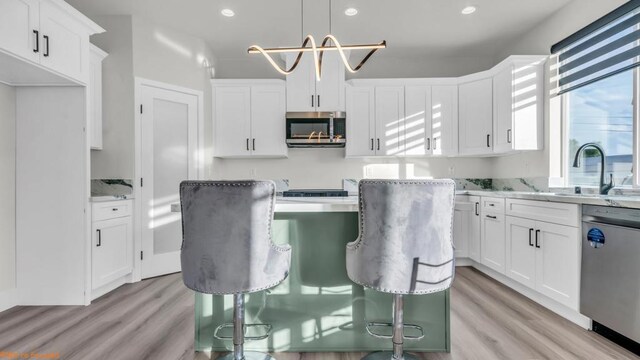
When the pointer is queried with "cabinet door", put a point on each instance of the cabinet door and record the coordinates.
(94, 90)
(18, 21)
(232, 116)
(557, 262)
(112, 250)
(521, 251)
(461, 226)
(301, 84)
(330, 90)
(268, 133)
(444, 120)
(476, 117)
(361, 123)
(417, 127)
(528, 105)
(503, 110)
(474, 230)
(389, 120)
(492, 248)
(64, 48)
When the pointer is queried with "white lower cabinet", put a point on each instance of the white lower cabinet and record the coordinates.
(466, 227)
(492, 247)
(544, 257)
(111, 244)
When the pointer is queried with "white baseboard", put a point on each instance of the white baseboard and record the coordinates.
(560, 309)
(96, 293)
(8, 299)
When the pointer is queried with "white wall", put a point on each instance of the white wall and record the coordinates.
(168, 55)
(7, 189)
(325, 168)
(378, 66)
(115, 161)
(571, 18)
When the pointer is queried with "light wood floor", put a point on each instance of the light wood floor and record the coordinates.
(154, 319)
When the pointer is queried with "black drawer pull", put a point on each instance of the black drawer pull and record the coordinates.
(46, 45)
(531, 237)
(99, 238)
(537, 235)
(492, 217)
(114, 209)
(37, 34)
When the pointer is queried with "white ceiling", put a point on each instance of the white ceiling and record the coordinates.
(411, 27)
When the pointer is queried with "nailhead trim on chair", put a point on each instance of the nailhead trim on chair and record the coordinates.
(356, 244)
(278, 248)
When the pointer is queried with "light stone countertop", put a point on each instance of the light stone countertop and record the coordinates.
(627, 201)
(313, 204)
(350, 203)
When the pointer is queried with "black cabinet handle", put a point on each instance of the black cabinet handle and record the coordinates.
(99, 238)
(492, 217)
(371, 144)
(318, 100)
(37, 48)
(46, 45)
(530, 237)
(247, 144)
(378, 143)
(254, 144)
(477, 213)
(428, 143)
(312, 98)
(114, 209)
(537, 244)
(488, 140)
(509, 136)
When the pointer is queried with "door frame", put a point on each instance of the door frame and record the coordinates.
(137, 191)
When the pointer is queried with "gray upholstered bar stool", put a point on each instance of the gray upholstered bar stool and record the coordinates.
(405, 247)
(227, 247)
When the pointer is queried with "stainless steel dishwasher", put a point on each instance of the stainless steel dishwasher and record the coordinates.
(610, 287)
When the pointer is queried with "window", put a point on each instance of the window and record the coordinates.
(602, 113)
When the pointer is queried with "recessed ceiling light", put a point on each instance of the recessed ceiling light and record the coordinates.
(227, 12)
(469, 10)
(351, 12)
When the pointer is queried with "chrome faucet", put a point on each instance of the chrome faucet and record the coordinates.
(604, 188)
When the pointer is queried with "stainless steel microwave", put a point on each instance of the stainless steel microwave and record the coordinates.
(316, 129)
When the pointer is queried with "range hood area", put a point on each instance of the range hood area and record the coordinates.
(316, 129)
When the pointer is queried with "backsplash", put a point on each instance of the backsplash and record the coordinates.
(539, 184)
(111, 187)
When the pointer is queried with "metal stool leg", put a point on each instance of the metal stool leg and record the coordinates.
(238, 335)
(397, 338)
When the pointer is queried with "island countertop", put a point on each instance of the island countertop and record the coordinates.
(308, 204)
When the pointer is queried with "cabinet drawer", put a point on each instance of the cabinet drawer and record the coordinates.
(492, 204)
(111, 210)
(555, 213)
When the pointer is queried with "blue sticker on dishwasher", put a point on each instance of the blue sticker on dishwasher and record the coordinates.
(596, 238)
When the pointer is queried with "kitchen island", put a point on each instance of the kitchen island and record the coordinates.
(317, 308)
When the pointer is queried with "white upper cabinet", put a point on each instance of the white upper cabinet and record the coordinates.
(63, 43)
(268, 133)
(476, 117)
(249, 118)
(518, 101)
(304, 93)
(50, 35)
(361, 132)
(94, 93)
(417, 125)
(389, 115)
(444, 120)
(20, 28)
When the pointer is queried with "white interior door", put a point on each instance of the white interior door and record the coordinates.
(169, 124)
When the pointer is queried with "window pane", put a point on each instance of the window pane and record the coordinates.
(602, 113)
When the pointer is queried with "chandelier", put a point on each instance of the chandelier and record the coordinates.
(310, 45)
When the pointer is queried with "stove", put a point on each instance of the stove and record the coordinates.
(315, 193)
